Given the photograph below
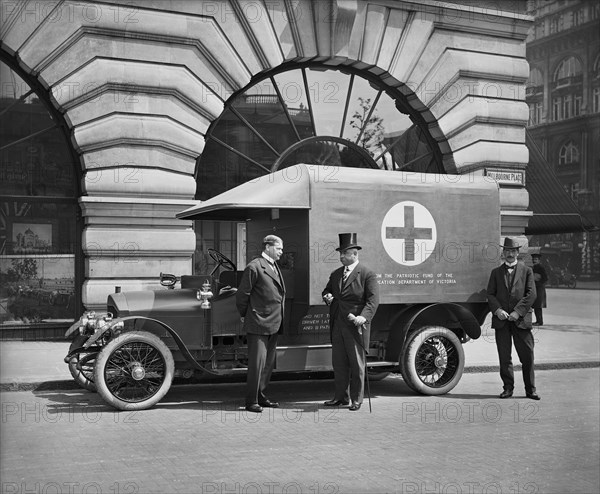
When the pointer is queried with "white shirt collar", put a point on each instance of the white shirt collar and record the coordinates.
(268, 258)
(351, 266)
(511, 265)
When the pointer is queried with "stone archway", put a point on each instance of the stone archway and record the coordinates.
(140, 85)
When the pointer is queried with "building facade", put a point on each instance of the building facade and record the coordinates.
(563, 94)
(133, 110)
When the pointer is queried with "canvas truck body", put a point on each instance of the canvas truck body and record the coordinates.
(431, 240)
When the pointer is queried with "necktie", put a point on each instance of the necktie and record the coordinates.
(346, 274)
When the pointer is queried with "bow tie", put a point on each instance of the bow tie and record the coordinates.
(509, 268)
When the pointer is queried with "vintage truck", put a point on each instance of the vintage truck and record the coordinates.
(431, 239)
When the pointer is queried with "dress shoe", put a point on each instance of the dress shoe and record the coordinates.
(507, 393)
(268, 404)
(533, 396)
(354, 407)
(255, 408)
(336, 403)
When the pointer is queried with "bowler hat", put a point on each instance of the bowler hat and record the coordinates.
(510, 243)
(538, 256)
(348, 241)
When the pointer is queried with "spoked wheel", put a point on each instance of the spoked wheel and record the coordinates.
(134, 371)
(81, 366)
(433, 360)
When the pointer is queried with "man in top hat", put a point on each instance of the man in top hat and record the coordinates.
(541, 278)
(511, 293)
(352, 294)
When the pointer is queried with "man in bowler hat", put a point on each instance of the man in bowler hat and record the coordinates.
(260, 301)
(511, 293)
(352, 294)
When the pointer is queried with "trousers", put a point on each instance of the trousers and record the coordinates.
(523, 341)
(261, 360)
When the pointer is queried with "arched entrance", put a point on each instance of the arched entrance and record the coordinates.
(40, 251)
(307, 113)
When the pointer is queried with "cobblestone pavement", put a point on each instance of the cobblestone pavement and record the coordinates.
(199, 439)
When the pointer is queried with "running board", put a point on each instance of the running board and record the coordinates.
(381, 363)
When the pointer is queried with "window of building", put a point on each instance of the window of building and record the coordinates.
(568, 154)
(596, 99)
(578, 17)
(38, 211)
(572, 189)
(535, 83)
(567, 104)
(567, 89)
(279, 112)
(556, 108)
(577, 102)
(312, 115)
(595, 79)
(535, 113)
(569, 67)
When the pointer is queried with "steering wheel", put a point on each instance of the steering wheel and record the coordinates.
(221, 260)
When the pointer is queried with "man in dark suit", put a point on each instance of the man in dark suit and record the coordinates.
(353, 296)
(511, 293)
(260, 301)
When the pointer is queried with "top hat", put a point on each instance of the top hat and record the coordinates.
(510, 243)
(348, 241)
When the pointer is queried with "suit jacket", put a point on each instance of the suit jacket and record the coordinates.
(519, 299)
(360, 297)
(260, 297)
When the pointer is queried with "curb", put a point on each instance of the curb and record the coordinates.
(64, 385)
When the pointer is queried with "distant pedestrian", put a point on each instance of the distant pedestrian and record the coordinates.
(352, 294)
(260, 300)
(541, 278)
(511, 293)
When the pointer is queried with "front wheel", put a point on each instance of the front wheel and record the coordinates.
(134, 371)
(433, 360)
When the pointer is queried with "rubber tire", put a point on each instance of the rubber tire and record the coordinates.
(109, 350)
(415, 342)
(80, 378)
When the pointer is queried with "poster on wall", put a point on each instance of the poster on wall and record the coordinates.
(31, 238)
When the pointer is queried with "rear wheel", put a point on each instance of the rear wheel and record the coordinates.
(433, 360)
(81, 366)
(134, 371)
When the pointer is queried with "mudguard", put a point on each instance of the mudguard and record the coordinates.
(180, 344)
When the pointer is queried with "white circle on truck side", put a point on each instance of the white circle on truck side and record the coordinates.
(408, 233)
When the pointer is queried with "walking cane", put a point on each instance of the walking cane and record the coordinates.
(361, 329)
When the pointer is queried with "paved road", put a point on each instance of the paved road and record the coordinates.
(199, 439)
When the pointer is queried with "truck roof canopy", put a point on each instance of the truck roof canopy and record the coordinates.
(290, 188)
(276, 190)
